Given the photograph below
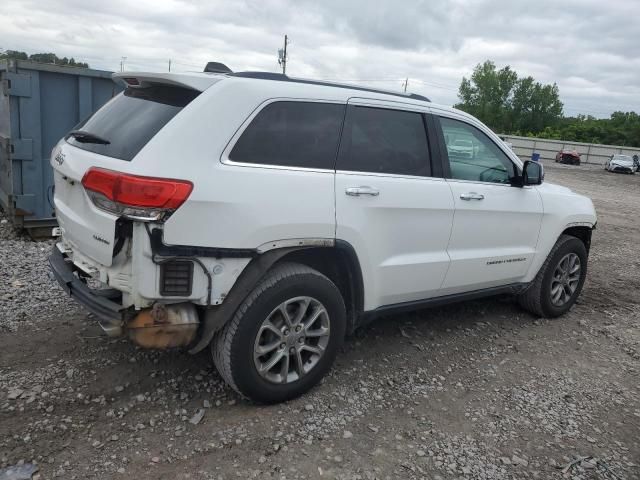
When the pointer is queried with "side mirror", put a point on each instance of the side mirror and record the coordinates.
(532, 173)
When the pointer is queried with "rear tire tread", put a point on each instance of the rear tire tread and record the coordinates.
(222, 342)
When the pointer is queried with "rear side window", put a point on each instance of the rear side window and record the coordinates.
(292, 134)
(379, 140)
(130, 120)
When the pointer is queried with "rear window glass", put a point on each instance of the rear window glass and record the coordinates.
(292, 134)
(130, 120)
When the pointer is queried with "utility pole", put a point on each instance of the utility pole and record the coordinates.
(122, 60)
(282, 55)
(406, 84)
(169, 64)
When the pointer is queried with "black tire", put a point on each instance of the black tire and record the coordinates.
(233, 346)
(537, 297)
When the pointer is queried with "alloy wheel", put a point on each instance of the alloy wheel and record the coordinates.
(291, 340)
(565, 279)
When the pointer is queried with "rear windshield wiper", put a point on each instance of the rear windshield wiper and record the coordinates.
(86, 137)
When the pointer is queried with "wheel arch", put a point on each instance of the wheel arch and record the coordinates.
(340, 264)
(337, 260)
(581, 232)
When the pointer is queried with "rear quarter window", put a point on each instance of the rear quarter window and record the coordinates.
(292, 134)
(131, 119)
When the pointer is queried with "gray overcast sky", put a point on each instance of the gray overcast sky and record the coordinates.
(589, 47)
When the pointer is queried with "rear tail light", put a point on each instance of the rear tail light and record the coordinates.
(133, 196)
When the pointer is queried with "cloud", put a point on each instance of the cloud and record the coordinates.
(586, 46)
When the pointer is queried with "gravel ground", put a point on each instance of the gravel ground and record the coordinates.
(477, 390)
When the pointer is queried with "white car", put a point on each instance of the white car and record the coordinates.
(461, 148)
(621, 163)
(267, 217)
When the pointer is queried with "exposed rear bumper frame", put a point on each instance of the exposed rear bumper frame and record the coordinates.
(100, 306)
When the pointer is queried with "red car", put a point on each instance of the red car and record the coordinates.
(570, 157)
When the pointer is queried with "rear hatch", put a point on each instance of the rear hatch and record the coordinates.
(110, 139)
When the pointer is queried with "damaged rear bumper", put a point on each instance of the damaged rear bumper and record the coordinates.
(111, 314)
(163, 326)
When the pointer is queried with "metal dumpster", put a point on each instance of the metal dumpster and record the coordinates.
(39, 104)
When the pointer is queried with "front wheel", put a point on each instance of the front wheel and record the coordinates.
(559, 281)
(284, 336)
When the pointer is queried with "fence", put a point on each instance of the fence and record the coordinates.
(547, 148)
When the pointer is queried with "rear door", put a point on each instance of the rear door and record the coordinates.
(496, 225)
(389, 206)
(109, 139)
(276, 183)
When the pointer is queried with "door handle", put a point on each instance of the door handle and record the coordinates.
(358, 191)
(471, 196)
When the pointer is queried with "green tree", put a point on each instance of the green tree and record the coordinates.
(42, 58)
(14, 54)
(486, 92)
(508, 103)
(621, 128)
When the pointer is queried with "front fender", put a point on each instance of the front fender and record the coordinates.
(562, 210)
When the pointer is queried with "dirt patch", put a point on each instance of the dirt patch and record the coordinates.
(475, 390)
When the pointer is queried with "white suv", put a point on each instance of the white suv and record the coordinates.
(268, 217)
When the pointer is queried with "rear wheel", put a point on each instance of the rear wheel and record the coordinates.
(559, 281)
(284, 336)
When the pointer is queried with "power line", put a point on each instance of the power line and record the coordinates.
(187, 64)
(124, 61)
(390, 80)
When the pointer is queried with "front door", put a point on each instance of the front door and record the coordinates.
(496, 225)
(388, 206)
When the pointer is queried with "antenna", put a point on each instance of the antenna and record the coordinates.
(282, 55)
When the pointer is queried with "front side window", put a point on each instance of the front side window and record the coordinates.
(292, 134)
(473, 155)
(380, 140)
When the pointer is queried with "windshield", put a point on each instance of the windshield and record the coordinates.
(624, 158)
(128, 121)
(463, 143)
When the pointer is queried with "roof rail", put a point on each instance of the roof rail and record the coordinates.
(280, 77)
